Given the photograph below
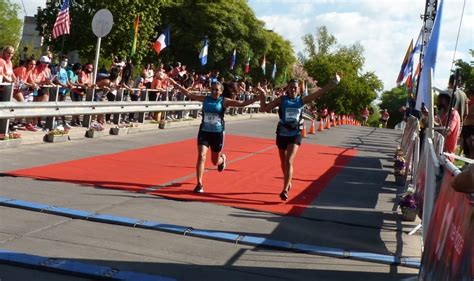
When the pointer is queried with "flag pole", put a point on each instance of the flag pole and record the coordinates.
(62, 44)
(428, 21)
(96, 61)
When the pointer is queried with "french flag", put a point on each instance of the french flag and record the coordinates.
(163, 41)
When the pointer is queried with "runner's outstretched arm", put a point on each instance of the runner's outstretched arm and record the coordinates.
(185, 91)
(264, 106)
(321, 91)
(235, 103)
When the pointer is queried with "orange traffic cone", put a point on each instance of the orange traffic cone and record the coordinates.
(312, 129)
(303, 131)
(321, 128)
(334, 121)
(328, 124)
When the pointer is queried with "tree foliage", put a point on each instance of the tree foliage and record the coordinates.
(466, 71)
(117, 42)
(322, 58)
(228, 25)
(393, 100)
(10, 24)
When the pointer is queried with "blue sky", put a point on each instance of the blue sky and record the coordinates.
(383, 27)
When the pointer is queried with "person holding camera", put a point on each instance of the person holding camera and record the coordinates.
(290, 110)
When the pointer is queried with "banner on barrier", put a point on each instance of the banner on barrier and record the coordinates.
(438, 143)
(426, 186)
(448, 253)
(411, 127)
(421, 177)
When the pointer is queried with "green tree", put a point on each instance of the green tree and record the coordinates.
(466, 71)
(393, 100)
(321, 44)
(323, 58)
(228, 25)
(10, 24)
(118, 41)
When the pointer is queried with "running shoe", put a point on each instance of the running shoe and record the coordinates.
(284, 195)
(199, 188)
(221, 167)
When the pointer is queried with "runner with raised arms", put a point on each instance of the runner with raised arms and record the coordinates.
(288, 131)
(211, 130)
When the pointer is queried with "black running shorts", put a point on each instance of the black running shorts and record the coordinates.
(283, 142)
(211, 139)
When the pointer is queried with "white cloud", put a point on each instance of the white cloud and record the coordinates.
(30, 6)
(384, 28)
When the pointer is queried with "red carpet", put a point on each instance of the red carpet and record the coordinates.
(253, 181)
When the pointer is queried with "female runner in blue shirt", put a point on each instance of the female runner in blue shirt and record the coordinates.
(211, 130)
(288, 132)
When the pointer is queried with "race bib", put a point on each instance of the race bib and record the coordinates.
(291, 114)
(211, 118)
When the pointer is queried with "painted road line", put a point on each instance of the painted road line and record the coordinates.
(212, 235)
(69, 267)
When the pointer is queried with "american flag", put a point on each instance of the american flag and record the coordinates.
(62, 24)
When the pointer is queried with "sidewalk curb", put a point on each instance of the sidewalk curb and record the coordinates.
(78, 133)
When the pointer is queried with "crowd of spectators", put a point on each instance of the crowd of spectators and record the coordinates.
(34, 80)
(453, 117)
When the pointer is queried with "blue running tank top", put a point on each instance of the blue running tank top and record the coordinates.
(291, 116)
(213, 115)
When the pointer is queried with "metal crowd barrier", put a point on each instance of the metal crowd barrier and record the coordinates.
(10, 109)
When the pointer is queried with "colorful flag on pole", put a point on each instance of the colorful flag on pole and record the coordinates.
(429, 62)
(405, 63)
(264, 65)
(419, 42)
(203, 53)
(274, 71)
(247, 65)
(162, 41)
(233, 60)
(62, 25)
(409, 66)
(135, 34)
(409, 84)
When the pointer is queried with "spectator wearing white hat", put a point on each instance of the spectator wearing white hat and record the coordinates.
(41, 78)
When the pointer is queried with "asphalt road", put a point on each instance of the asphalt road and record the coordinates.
(356, 212)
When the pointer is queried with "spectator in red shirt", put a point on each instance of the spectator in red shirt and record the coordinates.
(365, 116)
(6, 66)
(385, 117)
(23, 74)
(451, 132)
